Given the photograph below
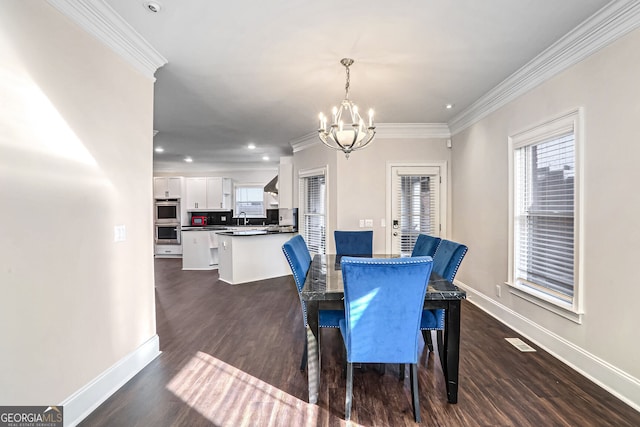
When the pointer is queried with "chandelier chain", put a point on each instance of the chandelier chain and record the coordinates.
(346, 86)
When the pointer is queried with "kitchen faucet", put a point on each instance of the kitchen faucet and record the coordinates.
(245, 218)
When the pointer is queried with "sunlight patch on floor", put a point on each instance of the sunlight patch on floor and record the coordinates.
(227, 396)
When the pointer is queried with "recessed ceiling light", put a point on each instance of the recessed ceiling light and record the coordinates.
(159, 150)
(448, 106)
(188, 159)
(251, 146)
(153, 6)
(265, 158)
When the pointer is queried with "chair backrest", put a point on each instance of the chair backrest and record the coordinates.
(382, 318)
(447, 259)
(425, 245)
(298, 257)
(354, 243)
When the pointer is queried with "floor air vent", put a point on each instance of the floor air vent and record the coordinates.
(520, 345)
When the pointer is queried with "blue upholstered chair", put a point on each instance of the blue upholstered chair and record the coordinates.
(354, 243)
(425, 245)
(297, 254)
(382, 319)
(446, 262)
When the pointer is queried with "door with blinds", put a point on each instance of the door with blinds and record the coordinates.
(415, 205)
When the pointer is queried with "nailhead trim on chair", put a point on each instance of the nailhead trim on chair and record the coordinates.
(386, 263)
(303, 303)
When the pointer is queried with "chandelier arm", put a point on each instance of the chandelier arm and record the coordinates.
(356, 132)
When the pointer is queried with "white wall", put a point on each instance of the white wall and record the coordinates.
(357, 186)
(75, 160)
(362, 180)
(605, 346)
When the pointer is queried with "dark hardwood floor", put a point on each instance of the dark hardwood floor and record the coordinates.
(231, 354)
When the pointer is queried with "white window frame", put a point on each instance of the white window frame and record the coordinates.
(302, 175)
(571, 121)
(260, 187)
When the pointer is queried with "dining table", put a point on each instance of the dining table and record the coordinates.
(323, 289)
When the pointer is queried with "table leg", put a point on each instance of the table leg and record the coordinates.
(313, 354)
(451, 348)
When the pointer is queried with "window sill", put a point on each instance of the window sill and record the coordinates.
(547, 302)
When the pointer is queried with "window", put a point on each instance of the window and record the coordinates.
(250, 200)
(544, 220)
(313, 209)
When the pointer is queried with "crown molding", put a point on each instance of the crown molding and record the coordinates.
(305, 141)
(412, 130)
(607, 25)
(98, 19)
(385, 131)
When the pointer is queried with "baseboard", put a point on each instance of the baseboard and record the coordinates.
(84, 401)
(617, 382)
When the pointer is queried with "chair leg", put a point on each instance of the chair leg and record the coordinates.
(347, 403)
(401, 374)
(303, 362)
(414, 391)
(426, 334)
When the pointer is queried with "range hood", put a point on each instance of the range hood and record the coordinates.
(272, 186)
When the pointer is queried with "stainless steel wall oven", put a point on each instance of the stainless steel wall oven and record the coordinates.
(167, 211)
(167, 234)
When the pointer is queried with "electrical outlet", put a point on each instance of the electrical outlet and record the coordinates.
(383, 223)
(498, 291)
(361, 223)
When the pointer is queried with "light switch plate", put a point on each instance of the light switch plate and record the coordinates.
(119, 233)
(368, 223)
(361, 223)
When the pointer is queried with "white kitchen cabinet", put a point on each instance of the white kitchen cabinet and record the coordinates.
(285, 185)
(218, 193)
(167, 187)
(169, 251)
(208, 193)
(196, 197)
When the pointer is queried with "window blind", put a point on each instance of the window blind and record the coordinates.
(544, 218)
(312, 202)
(416, 210)
(250, 199)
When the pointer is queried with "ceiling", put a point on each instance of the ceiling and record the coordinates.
(260, 72)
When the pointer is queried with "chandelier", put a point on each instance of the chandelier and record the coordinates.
(347, 131)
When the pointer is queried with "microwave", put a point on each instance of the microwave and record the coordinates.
(198, 220)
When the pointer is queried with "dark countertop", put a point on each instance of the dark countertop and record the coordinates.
(205, 228)
(253, 232)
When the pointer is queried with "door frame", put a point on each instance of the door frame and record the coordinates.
(443, 202)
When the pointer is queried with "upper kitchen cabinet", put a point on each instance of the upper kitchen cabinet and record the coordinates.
(208, 193)
(285, 185)
(218, 193)
(167, 187)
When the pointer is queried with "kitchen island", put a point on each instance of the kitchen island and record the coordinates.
(250, 255)
(200, 248)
